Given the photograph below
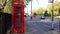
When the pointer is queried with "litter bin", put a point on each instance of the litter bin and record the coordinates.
(7, 22)
(1, 23)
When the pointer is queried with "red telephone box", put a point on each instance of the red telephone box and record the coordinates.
(17, 16)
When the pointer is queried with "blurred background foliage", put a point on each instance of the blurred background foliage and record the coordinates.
(26, 2)
(7, 8)
(41, 10)
(5, 5)
(48, 9)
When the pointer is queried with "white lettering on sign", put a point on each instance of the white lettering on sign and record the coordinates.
(17, 2)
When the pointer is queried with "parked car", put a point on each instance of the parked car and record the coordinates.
(42, 17)
(25, 15)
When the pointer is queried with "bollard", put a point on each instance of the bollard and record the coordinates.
(59, 23)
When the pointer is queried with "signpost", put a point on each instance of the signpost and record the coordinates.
(31, 9)
(52, 14)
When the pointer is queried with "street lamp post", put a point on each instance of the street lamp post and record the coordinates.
(27, 6)
(31, 9)
(52, 15)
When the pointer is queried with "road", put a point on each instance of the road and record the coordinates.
(40, 26)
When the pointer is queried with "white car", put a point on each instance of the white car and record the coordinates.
(42, 17)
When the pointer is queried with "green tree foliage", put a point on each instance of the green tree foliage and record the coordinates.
(38, 11)
(26, 2)
(56, 8)
(0, 6)
(7, 8)
(45, 13)
(59, 10)
(2, 3)
(49, 9)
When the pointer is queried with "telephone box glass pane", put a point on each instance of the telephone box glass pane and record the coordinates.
(17, 17)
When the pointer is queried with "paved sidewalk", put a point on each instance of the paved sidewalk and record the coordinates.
(39, 28)
(48, 32)
(53, 32)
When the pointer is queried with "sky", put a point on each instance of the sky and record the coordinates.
(36, 4)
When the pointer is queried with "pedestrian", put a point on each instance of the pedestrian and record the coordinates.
(45, 14)
(34, 15)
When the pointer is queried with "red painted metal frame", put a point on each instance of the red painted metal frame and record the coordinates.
(21, 5)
